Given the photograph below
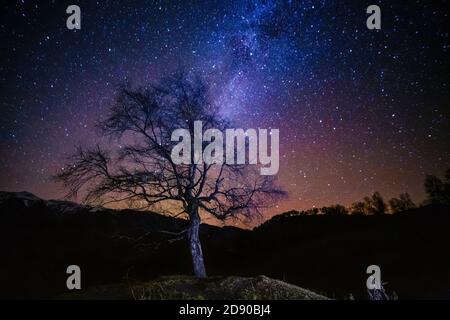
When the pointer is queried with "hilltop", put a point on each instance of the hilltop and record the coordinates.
(191, 288)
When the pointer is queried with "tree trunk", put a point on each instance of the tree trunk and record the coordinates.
(195, 245)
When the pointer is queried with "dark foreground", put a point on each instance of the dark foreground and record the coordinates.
(326, 254)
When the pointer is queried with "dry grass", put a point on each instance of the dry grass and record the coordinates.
(191, 288)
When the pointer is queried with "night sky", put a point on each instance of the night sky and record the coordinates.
(358, 110)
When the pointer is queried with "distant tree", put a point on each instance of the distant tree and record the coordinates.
(143, 173)
(438, 191)
(402, 203)
(290, 213)
(376, 204)
(313, 211)
(434, 187)
(334, 210)
(359, 208)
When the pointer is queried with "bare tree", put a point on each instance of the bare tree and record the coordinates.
(438, 191)
(359, 208)
(375, 204)
(143, 173)
(403, 203)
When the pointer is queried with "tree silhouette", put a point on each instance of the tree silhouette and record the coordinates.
(335, 210)
(375, 204)
(313, 211)
(401, 204)
(438, 191)
(143, 173)
(359, 208)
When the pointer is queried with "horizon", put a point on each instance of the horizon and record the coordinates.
(231, 222)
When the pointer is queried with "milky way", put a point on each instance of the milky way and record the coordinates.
(358, 110)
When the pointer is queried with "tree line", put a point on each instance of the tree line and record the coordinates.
(437, 191)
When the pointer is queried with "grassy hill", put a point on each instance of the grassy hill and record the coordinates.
(191, 288)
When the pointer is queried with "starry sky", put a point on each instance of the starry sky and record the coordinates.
(358, 110)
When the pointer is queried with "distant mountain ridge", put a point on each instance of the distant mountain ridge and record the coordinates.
(28, 200)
